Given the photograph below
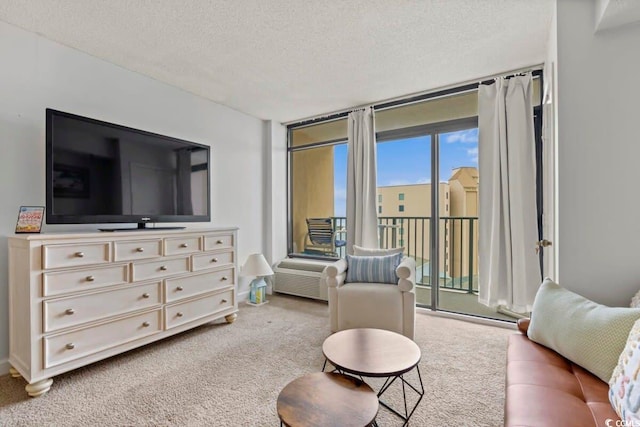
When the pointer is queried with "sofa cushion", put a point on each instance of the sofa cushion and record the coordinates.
(587, 333)
(370, 305)
(373, 269)
(545, 389)
(624, 392)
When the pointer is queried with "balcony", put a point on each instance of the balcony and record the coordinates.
(458, 265)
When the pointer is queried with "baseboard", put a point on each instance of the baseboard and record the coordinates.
(467, 318)
(4, 367)
(243, 296)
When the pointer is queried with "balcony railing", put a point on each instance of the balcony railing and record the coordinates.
(458, 247)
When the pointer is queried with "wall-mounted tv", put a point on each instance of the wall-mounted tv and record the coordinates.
(99, 172)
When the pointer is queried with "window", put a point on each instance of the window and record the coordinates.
(401, 231)
(447, 195)
(380, 198)
(401, 208)
(401, 242)
(401, 196)
(379, 209)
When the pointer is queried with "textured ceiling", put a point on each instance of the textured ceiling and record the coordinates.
(616, 13)
(291, 59)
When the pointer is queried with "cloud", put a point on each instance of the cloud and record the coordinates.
(473, 154)
(465, 136)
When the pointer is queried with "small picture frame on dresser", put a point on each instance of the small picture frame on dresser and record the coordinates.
(30, 219)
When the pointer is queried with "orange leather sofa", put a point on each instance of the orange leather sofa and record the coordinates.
(545, 389)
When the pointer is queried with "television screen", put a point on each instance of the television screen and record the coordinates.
(100, 172)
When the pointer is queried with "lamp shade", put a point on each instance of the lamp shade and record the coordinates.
(256, 265)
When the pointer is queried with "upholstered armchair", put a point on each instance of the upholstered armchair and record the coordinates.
(372, 305)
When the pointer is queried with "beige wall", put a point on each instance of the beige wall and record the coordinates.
(312, 192)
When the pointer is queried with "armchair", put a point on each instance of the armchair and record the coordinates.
(372, 305)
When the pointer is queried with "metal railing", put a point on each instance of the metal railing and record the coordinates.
(458, 247)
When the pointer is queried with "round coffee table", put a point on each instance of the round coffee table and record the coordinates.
(327, 399)
(369, 352)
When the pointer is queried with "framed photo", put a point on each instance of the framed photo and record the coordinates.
(70, 181)
(30, 219)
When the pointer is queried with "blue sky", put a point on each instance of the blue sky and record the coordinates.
(408, 161)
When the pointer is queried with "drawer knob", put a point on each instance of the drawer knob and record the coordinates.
(146, 324)
(223, 278)
(79, 254)
(219, 242)
(90, 278)
(223, 301)
(139, 249)
(69, 311)
(70, 346)
(214, 259)
(179, 288)
(179, 314)
(163, 267)
(184, 245)
(145, 295)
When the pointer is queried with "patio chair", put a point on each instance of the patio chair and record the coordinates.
(322, 237)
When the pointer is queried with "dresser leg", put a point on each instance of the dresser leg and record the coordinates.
(39, 388)
(230, 318)
(14, 373)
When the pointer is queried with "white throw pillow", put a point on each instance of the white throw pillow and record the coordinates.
(360, 251)
(589, 334)
(624, 386)
(635, 301)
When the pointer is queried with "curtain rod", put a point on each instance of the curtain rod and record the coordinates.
(417, 96)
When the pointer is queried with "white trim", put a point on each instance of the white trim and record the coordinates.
(4, 367)
(467, 318)
(243, 296)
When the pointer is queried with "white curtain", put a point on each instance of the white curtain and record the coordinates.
(509, 266)
(362, 218)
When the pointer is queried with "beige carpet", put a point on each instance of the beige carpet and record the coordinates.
(230, 375)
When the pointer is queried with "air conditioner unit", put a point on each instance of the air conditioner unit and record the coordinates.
(301, 277)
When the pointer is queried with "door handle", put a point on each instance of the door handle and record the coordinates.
(542, 244)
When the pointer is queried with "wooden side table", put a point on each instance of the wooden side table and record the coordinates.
(327, 399)
(367, 352)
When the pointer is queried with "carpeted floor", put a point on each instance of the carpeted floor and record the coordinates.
(230, 375)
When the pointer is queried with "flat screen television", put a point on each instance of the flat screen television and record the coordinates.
(99, 172)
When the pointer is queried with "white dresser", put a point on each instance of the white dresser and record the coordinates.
(78, 298)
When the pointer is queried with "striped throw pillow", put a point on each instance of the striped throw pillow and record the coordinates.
(373, 269)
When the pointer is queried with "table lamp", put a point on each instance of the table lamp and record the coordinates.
(257, 266)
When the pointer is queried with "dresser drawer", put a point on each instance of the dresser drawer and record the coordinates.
(181, 245)
(72, 311)
(60, 282)
(211, 260)
(75, 254)
(218, 241)
(185, 312)
(140, 249)
(62, 348)
(162, 268)
(182, 287)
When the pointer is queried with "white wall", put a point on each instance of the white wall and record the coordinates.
(36, 73)
(598, 155)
